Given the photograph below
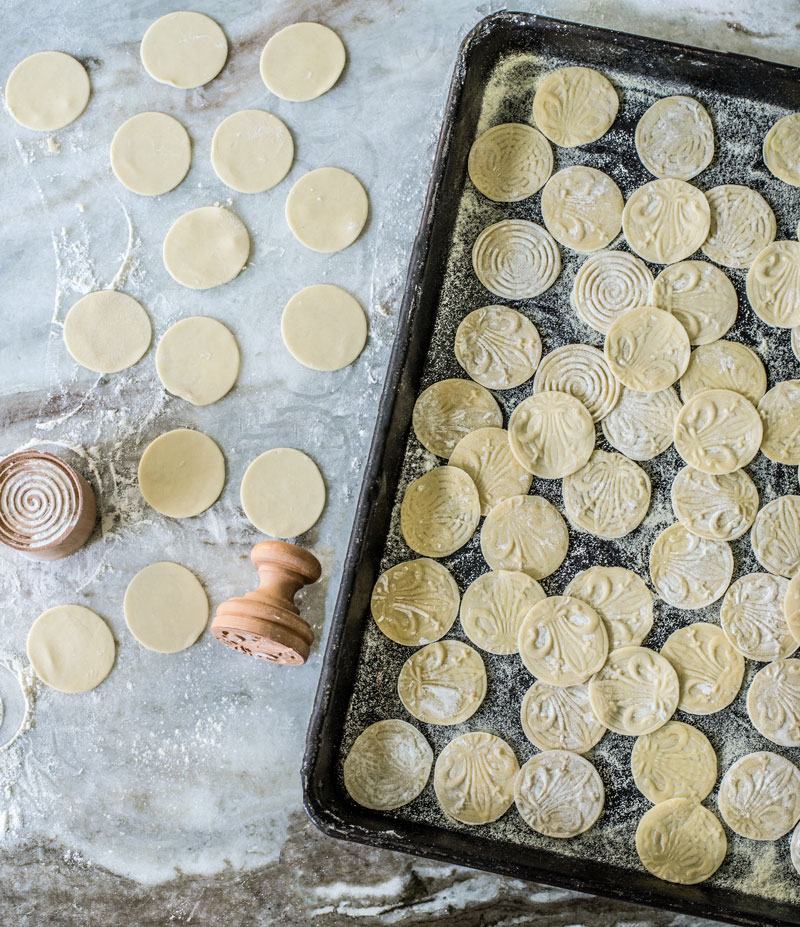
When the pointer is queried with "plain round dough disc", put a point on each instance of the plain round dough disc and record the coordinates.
(283, 493)
(151, 153)
(302, 61)
(326, 209)
(107, 331)
(324, 327)
(166, 607)
(71, 648)
(206, 247)
(181, 473)
(252, 151)
(184, 49)
(198, 360)
(47, 91)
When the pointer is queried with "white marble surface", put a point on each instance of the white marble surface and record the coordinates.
(189, 763)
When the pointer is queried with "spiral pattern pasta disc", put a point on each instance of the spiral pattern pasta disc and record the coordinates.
(608, 284)
(510, 162)
(742, 224)
(516, 259)
(581, 371)
(675, 138)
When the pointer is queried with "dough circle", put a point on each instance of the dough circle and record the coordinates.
(440, 512)
(388, 765)
(642, 425)
(582, 371)
(47, 91)
(184, 49)
(773, 284)
(551, 434)
(71, 648)
(181, 473)
(560, 718)
(688, 571)
(510, 162)
(753, 619)
(791, 605)
(415, 602)
(485, 456)
(718, 431)
(709, 668)
(563, 641)
(608, 284)
(780, 413)
(700, 297)
(251, 151)
(724, 365)
(525, 533)
(582, 208)
(198, 360)
(773, 702)
(622, 600)
(107, 331)
(795, 849)
(742, 224)
(443, 683)
(151, 153)
(327, 209)
(574, 106)
(776, 536)
(721, 507)
(675, 138)
(680, 841)
(759, 797)
(782, 149)
(676, 761)
(647, 349)
(283, 493)
(494, 606)
(666, 220)
(609, 496)
(166, 607)
(302, 61)
(474, 778)
(206, 247)
(516, 259)
(324, 327)
(559, 794)
(498, 347)
(449, 410)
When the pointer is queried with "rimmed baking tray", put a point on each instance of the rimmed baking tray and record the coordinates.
(494, 80)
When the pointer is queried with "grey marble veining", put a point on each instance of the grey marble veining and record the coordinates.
(171, 793)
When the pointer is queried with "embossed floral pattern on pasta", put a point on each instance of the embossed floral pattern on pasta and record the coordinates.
(681, 841)
(759, 796)
(709, 667)
(689, 571)
(498, 347)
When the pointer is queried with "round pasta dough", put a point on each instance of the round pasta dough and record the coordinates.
(622, 600)
(773, 284)
(580, 370)
(181, 473)
(647, 349)
(724, 365)
(71, 648)
(780, 414)
(759, 797)
(450, 409)
(107, 331)
(324, 327)
(198, 360)
(709, 668)
(440, 512)
(680, 841)
(415, 602)
(791, 605)
(474, 778)
(388, 765)
(516, 259)
(721, 507)
(166, 607)
(688, 571)
(206, 247)
(666, 220)
(753, 619)
(718, 431)
(525, 533)
(776, 536)
(151, 153)
(551, 434)
(184, 49)
(773, 702)
(498, 347)
(443, 683)
(283, 493)
(609, 496)
(575, 106)
(676, 761)
(560, 718)
(742, 224)
(326, 209)
(582, 208)
(494, 606)
(642, 425)
(302, 61)
(510, 162)
(700, 297)
(608, 284)
(782, 149)
(675, 138)
(47, 91)
(485, 456)
(252, 151)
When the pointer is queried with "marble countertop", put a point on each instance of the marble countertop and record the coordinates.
(171, 794)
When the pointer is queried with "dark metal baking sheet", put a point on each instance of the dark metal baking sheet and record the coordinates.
(494, 81)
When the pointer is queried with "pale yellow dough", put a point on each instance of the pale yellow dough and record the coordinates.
(724, 365)
(776, 536)
(718, 431)
(675, 138)
(166, 607)
(742, 224)
(510, 162)
(516, 259)
(721, 507)
(551, 434)
(680, 841)
(474, 778)
(688, 571)
(494, 606)
(440, 512)
(184, 49)
(607, 284)
(252, 151)
(759, 797)
(525, 533)
(676, 761)
(324, 327)
(71, 648)
(752, 617)
(709, 667)
(642, 425)
(107, 331)
(666, 220)
(485, 455)
(181, 473)
(700, 297)
(560, 718)
(206, 247)
(647, 349)
(302, 61)
(773, 702)
(47, 91)
(575, 106)
(609, 496)
(198, 360)
(782, 149)
(773, 284)
(498, 346)
(780, 413)
(582, 371)
(443, 683)
(620, 598)
(283, 493)
(151, 153)
(582, 208)
(448, 410)
(326, 209)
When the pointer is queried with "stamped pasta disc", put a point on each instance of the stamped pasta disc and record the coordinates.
(443, 683)
(575, 106)
(607, 284)
(724, 365)
(647, 349)
(782, 149)
(494, 607)
(582, 371)
(642, 425)
(498, 347)
(485, 455)
(773, 284)
(450, 409)
(700, 297)
(752, 617)
(721, 507)
(776, 536)
(551, 434)
(510, 162)
(516, 259)
(609, 496)
(780, 414)
(676, 761)
(560, 718)
(718, 431)
(582, 208)
(440, 512)
(742, 224)
(525, 533)
(622, 600)
(666, 220)
(688, 571)
(675, 138)
(709, 667)
(773, 702)
(681, 841)
(759, 797)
